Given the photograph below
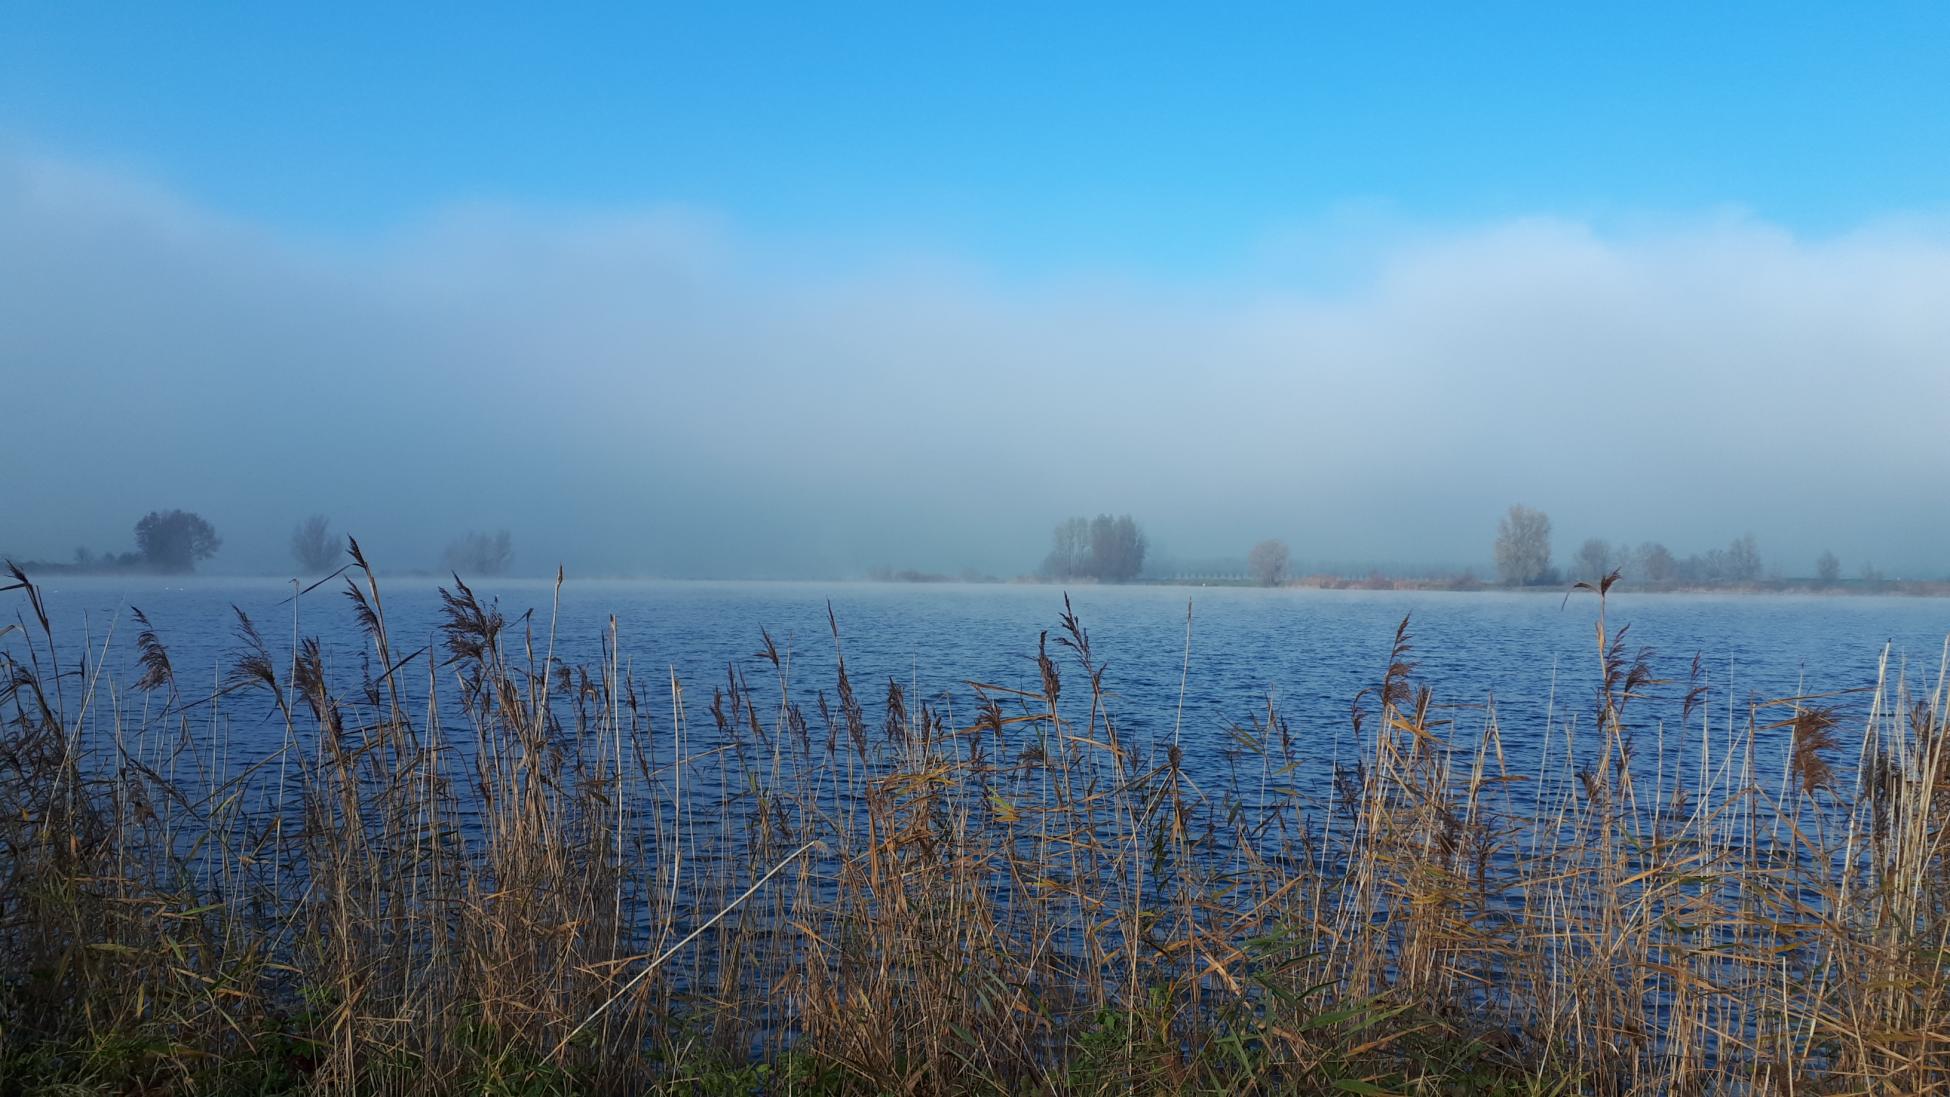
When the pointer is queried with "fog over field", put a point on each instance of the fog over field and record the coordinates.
(665, 390)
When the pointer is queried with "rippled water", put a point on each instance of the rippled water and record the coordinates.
(1309, 651)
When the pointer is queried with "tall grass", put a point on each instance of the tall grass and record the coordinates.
(474, 868)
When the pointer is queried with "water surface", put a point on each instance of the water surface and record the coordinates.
(1309, 652)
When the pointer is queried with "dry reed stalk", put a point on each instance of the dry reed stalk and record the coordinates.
(383, 902)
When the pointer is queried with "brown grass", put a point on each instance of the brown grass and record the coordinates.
(522, 876)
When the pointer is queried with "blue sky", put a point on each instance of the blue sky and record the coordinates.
(813, 289)
(1171, 140)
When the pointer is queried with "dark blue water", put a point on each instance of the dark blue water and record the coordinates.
(1310, 651)
(1307, 653)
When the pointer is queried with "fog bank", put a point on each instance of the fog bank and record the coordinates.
(659, 391)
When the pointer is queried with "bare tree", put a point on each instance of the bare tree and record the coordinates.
(1523, 545)
(1653, 562)
(1594, 559)
(1267, 562)
(312, 545)
(1828, 568)
(481, 554)
(174, 540)
(1069, 554)
(1743, 559)
(1116, 548)
(1106, 548)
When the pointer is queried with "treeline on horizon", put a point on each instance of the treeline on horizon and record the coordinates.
(1523, 558)
(1105, 548)
(173, 542)
(1112, 549)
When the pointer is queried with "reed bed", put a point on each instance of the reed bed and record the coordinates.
(471, 868)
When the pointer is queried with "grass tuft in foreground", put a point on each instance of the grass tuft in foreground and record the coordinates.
(470, 868)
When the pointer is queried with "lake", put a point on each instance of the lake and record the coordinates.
(1309, 651)
(1076, 870)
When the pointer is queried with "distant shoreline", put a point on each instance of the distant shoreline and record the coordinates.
(1845, 588)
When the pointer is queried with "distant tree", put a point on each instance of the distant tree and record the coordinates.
(174, 540)
(312, 545)
(1828, 568)
(1870, 574)
(1739, 562)
(1267, 562)
(1707, 567)
(481, 554)
(1116, 548)
(1069, 554)
(1523, 546)
(1594, 560)
(1743, 562)
(1652, 562)
(1106, 548)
